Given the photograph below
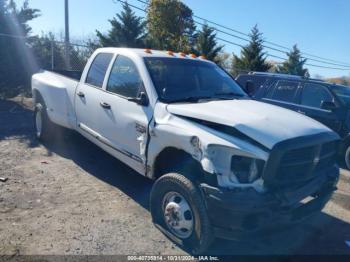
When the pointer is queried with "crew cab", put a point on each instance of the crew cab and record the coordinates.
(223, 164)
(325, 102)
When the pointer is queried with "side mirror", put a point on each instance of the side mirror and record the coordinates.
(328, 105)
(250, 87)
(141, 100)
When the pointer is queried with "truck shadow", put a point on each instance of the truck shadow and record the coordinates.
(321, 234)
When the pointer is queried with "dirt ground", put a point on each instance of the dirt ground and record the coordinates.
(70, 197)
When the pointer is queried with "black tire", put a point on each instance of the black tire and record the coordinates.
(42, 133)
(201, 235)
(346, 156)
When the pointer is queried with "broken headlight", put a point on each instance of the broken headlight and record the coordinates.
(245, 169)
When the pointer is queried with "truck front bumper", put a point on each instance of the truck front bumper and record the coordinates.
(234, 213)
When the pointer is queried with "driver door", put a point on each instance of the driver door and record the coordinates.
(123, 122)
(311, 99)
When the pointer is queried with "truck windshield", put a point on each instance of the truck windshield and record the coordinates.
(343, 94)
(181, 80)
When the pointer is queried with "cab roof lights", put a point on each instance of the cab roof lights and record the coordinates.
(170, 53)
(203, 57)
(148, 51)
(182, 54)
(193, 55)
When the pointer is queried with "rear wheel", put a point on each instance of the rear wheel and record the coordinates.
(347, 156)
(41, 122)
(178, 208)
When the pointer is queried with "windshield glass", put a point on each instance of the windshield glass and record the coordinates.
(343, 94)
(179, 80)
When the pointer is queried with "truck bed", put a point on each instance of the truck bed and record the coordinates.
(69, 73)
(58, 91)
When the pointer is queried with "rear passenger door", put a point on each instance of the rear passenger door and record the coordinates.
(87, 100)
(311, 97)
(284, 93)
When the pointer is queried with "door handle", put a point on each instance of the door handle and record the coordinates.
(81, 94)
(105, 105)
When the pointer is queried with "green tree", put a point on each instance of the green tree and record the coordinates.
(224, 60)
(16, 62)
(294, 64)
(128, 30)
(206, 43)
(170, 25)
(253, 57)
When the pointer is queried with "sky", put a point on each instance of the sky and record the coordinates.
(318, 27)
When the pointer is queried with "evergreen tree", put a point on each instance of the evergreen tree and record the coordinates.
(16, 62)
(128, 30)
(295, 64)
(253, 57)
(206, 43)
(170, 25)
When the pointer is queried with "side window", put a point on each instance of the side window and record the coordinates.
(98, 69)
(313, 95)
(284, 91)
(124, 78)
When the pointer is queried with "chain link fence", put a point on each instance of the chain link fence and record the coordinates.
(20, 57)
(71, 57)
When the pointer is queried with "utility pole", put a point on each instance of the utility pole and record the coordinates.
(66, 39)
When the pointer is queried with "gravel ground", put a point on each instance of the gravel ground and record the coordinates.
(69, 197)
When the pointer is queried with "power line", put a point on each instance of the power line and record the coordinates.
(331, 61)
(274, 56)
(240, 45)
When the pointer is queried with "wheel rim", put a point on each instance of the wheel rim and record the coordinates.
(178, 215)
(347, 157)
(38, 123)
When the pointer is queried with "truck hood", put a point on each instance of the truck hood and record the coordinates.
(267, 124)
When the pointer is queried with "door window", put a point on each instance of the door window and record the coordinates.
(98, 69)
(313, 95)
(124, 79)
(284, 91)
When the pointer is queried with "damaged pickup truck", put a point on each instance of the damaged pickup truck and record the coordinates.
(223, 164)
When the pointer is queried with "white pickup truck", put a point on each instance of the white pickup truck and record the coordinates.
(224, 164)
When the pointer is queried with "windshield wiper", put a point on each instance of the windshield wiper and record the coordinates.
(189, 99)
(229, 94)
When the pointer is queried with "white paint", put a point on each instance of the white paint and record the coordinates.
(267, 124)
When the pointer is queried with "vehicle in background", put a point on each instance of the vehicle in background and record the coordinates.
(325, 102)
(223, 163)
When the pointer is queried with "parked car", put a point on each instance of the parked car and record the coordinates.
(222, 163)
(325, 102)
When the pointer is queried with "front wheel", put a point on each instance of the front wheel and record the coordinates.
(178, 207)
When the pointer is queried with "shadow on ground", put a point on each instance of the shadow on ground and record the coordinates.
(323, 234)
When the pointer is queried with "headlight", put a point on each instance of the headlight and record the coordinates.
(245, 170)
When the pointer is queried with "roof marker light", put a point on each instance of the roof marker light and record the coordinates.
(203, 57)
(193, 56)
(148, 51)
(182, 54)
(170, 53)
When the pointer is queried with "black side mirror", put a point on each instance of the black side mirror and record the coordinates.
(328, 105)
(141, 100)
(250, 87)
